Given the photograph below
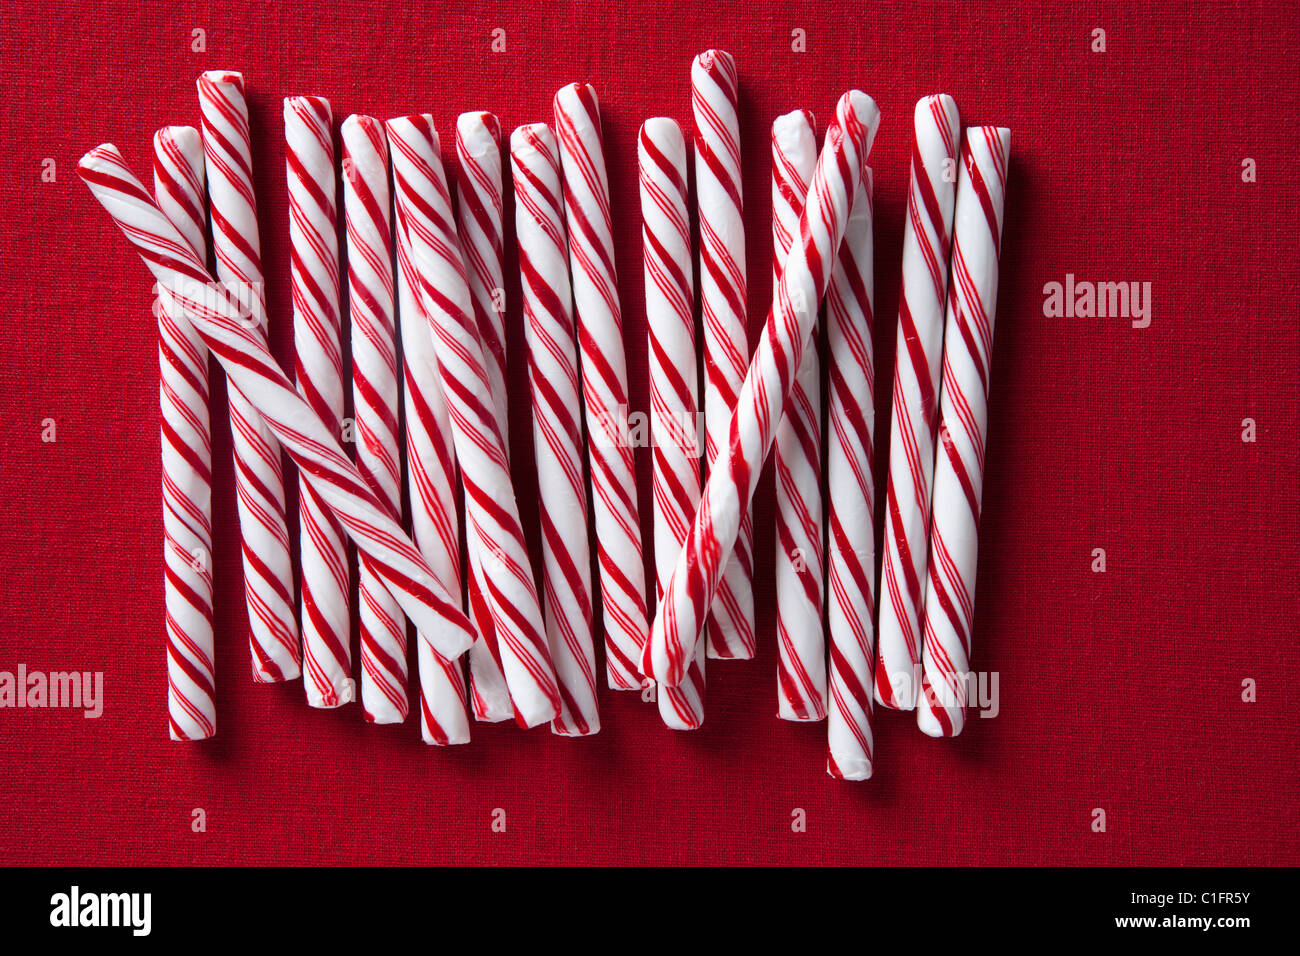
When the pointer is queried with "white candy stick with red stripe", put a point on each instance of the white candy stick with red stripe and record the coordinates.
(557, 425)
(495, 531)
(186, 455)
(674, 376)
(851, 526)
(478, 181)
(317, 330)
(801, 663)
(367, 207)
(604, 382)
(714, 99)
(431, 483)
(712, 538)
(259, 475)
(479, 190)
(914, 413)
(489, 695)
(234, 337)
(963, 428)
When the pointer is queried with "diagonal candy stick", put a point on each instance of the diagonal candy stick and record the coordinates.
(317, 330)
(186, 456)
(424, 214)
(963, 428)
(225, 328)
(557, 424)
(259, 477)
(712, 538)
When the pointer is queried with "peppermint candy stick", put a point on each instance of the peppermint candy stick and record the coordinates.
(963, 428)
(367, 206)
(478, 178)
(604, 382)
(479, 189)
(914, 413)
(234, 337)
(674, 377)
(431, 483)
(714, 98)
(727, 494)
(801, 664)
(851, 416)
(259, 477)
(557, 429)
(317, 329)
(186, 455)
(424, 212)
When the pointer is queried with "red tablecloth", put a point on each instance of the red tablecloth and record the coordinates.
(1119, 690)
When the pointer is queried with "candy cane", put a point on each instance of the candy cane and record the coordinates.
(730, 487)
(233, 334)
(963, 428)
(926, 232)
(674, 385)
(557, 428)
(851, 535)
(478, 179)
(374, 398)
(431, 484)
(186, 455)
(495, 531)
(604, 382)
(317, 329)
(801, 664)
(259, 477)
(714, 99)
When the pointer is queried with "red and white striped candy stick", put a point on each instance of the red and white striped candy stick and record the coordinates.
(712, 538)
(851, 535)
(674, 376)
(186, 455)
(557, 427)
(366, 203)
(259, 475)
(479, 189)
(478, 179)
(604, 382)
(715, 87)
(431, 483)
(234, 337)
(424, 212)
(926, 233)
(963, 428)
(317, 329)
(801, 664)
(489, 695)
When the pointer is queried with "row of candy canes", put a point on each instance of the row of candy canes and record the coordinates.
(447, 285)
(832, 221)
(453, 373)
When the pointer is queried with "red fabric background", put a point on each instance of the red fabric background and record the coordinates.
(1119, 690)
